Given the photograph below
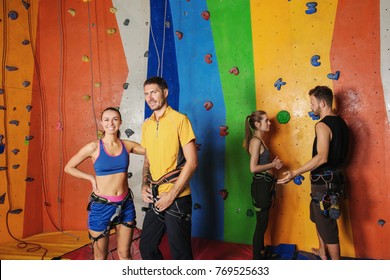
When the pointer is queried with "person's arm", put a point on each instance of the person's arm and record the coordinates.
(71, 167)
(146, 191)
(323, 133)
(191, 156)
(254, 151)
(134, 147)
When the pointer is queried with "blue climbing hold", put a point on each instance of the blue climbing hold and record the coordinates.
(313, 116)
(13, 15)
(279, 83)
(26, 83)
(334, 76)
(311, 8)
(298, 179)
(314, 60)
(11, 68)
(1, 91)
(25, 42)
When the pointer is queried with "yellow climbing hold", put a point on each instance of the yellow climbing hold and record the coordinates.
(113, 10)
(72, 12)
(85, 58)
(86, 97)
(100, 134)
(111, 31)
(97, 84)
(86, 1)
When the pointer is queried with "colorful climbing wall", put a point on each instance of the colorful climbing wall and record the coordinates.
(222, 60)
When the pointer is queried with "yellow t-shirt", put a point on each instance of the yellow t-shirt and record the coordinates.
(163, 141)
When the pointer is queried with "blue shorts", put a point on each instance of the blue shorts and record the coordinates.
(100, 214)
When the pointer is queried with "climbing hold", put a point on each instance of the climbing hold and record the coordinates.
(113, 10)
(26, 83)
(14, 122)
(13, 15)
(311, 8)
(86, 97)
(129, 175)
(146, 54)
(2, 145)
(249, 213)
(15, 166)
(381, 222)
(100, 134)
(26, 4)
(97, 84)
(283, 117)
(2, 107)
(234, 71)
(2, 168)
(334, 76)
(179, 35)
(223, 193)
(197, 206)
(15, 211)
(207, 58)
(206, 15)
(28, 108)
(2, 198)
(1, 91)
(126, 22)
(86, 1)
(198, 146)
(59, 126)
(15, 151)
(125, 85)
(298, 179)
(25, 42)
(11, 68)
(314, 60)
(72, 12)
(208, 105)
(223, 130)
(313, 116)
(129, 132)
(111, 31)
(29, 179)
(167, 24)
(279, 83)
(238, 210)
(85, 58)
(28, 138)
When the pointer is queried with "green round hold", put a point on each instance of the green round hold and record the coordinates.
(283, 117)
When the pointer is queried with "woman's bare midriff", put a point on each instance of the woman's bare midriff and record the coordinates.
(112, 185)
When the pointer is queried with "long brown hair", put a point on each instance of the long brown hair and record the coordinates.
(120, 118)
(256, 116)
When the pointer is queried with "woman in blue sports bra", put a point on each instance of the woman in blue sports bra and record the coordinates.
(263, 183)
(111, 202)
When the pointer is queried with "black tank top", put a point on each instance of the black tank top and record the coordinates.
(338, 148)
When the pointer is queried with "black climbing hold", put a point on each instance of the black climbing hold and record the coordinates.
(381, 222)
(146, 54)
(197, 206)
(25, 42)
(2, 107)
(28, 108)
(29, 179)
(1, 91)
(249, 213)
(15, 166)
(26, 4)
(129, 175)
(2, 198)
(26, 83)
(13, 15)
(15, 122)
(15, 151)
(126, 22)
(125, 85)
(11, 68)
(3, 168)
(16, 211)
(28, 138)
(129, 132)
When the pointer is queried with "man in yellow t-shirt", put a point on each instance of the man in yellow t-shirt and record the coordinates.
(171, 160)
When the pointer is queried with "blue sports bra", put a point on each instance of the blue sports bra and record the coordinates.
(107, 164)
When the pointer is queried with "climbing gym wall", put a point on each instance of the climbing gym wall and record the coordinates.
(63, 62)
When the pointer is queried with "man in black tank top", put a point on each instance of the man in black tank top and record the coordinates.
(330, 150)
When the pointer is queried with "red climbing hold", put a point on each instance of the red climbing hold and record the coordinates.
(179, 35)
(208, 105)
(223, 193)
(234, 71)
(206, 15)
(223, 130)
(207, 58)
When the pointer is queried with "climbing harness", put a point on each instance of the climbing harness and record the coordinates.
(329, 201)
(169, 177)
(98, 199)
(269, 178)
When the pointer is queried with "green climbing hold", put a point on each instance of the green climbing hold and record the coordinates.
(283, 117)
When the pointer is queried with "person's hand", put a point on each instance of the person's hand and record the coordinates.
(289, 175)
(164, 201)
(278, 163)
(147, 194)
(95, 188)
